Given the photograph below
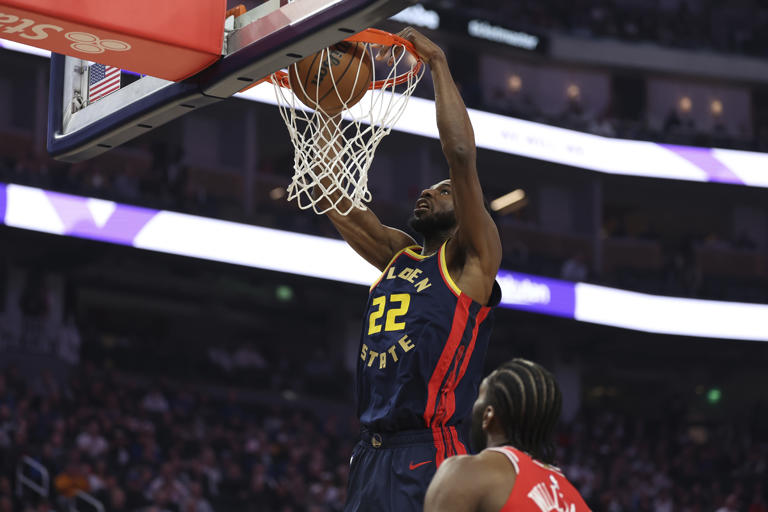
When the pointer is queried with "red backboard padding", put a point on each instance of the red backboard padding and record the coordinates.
(170, 40)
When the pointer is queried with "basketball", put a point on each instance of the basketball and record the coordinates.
(333, 78)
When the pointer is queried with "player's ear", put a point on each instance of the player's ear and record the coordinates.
(488, 415)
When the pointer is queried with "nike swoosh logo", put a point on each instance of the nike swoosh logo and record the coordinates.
(413, 466)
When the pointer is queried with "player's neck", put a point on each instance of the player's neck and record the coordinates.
(495, 440)
(432, 243)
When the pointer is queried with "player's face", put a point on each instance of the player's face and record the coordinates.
(435, 199)
(433, 211)
(478, 440)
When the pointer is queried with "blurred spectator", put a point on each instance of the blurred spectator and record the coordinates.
(575, 268)
(731, 504)
(117, 500)
(126, 184)
(73, 478)
(167, 488)
(663, 502)
(602, 125)
(91, 442)
(681, 274)
(698, 24)
(33, 301)
(155, 402)
(758, 502)
(209, 454)
(745, 242)
(196, 501)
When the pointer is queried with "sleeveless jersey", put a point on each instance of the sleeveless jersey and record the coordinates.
(539, 487)
(422, 348)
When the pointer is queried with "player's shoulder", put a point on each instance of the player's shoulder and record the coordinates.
(458, 484)
(461, 477)
(500, 463)
(456, 468)
(481, 482)
(484, 468)
(399, 240)
(456, 463)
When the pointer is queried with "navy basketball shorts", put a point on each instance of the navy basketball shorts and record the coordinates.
(390, 472)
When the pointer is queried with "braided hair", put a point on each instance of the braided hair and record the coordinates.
(527, 402)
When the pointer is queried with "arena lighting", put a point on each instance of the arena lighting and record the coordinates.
(685, 104)
(714, 395)
(277, 193)
(419, 16)
(670, 315)
(253, 246)
(508, 200)
(23, 48)
(716, 108)
(485, 30)
(515, 83)
(284, 293)
(582, 150)
(575, 149)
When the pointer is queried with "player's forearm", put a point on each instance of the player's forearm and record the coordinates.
(456, 134)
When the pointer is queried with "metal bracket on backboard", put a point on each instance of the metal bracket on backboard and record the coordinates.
(75, 88)
(262, 43)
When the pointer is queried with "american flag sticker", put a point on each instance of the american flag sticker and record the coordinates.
(102, 80)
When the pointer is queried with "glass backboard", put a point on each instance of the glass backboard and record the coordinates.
(256, 44)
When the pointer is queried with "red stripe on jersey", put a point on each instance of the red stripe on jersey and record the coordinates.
(450, 406)
(437, 435)
(460, 317)
(460, 449)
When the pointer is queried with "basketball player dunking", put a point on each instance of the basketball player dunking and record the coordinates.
(427, 324)
(513, 424)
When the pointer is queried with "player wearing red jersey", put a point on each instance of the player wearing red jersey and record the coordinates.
(513, 422)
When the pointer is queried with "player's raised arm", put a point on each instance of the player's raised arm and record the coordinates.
(477, 234)
(362, 229)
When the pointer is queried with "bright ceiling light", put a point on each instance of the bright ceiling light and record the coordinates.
(513, 200)
(277, 193)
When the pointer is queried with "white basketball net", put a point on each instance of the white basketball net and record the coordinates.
(333, 154)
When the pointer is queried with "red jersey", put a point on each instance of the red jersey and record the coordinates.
(539, 487)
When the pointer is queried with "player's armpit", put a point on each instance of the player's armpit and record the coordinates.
(456, 487)
(371, 239)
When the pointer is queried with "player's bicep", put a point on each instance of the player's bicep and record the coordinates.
(476, 230)
(452, 489)
(371, 239)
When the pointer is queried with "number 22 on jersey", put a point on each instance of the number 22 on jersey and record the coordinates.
(395, 306)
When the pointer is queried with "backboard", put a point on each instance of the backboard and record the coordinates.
(256, 44)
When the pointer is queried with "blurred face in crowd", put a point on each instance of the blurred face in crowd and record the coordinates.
(117, 498)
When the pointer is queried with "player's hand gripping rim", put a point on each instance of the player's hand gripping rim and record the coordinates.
(425, 48)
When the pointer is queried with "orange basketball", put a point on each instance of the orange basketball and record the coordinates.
(347, 65)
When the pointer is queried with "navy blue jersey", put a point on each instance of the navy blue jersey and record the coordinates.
(422, 347)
